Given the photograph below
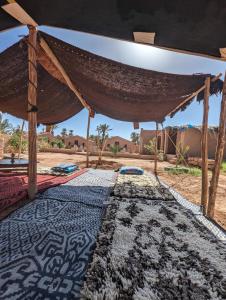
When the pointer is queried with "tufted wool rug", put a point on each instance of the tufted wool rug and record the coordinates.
(141, 186)
(152, 250)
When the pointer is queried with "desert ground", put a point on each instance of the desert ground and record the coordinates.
(187, 185)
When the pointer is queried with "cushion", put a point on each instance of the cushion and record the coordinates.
(65, 168)
(131, 170)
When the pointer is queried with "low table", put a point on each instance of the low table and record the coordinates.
(11, 165)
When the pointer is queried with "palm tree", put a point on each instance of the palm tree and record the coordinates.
(5, 126)
(101, 137)
(135, 138)
(64, 132)
(71, 132)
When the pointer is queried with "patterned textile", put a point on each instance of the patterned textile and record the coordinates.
(155, 250)
(46, 245)
(14, 188)
(141, 186)
(90, 189)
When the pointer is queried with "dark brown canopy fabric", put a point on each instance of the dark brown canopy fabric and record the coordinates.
(193, 25)
(124, 92)
(119, 91)
(56, 102)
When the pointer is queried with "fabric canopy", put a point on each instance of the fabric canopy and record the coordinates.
(56, 102)
(117, 90)
(196, 26)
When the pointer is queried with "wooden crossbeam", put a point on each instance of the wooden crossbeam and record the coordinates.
(144, 37)
(193, 95)
(18, 13)
(65, 76)
(223, 52)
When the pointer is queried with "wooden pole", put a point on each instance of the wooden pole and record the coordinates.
(156, 149)
(204, 145)
(218, 155)
(165, 141)
(32, 112)
(21, 139)
(87, 142)
(162, 140)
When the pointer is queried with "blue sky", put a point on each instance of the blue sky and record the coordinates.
(133, 54)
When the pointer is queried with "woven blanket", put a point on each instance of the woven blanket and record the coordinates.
(152, 250)
(46, 245)
(141, 186)
(14, 188)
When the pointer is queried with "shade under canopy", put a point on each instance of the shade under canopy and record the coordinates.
(55, 101)
(191, 25)
(117, 90)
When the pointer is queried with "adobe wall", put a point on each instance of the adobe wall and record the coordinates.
(145, 137)
(124, 144)
(105, 153)
(192, 138)
(77, 142)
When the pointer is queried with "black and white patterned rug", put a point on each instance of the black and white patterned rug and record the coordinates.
(155, 250)
(141, 186)
(46, 245)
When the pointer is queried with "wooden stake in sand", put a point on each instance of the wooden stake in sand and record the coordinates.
(32, 112)
(218, 155)
(156, 149)
(87, 142)
(204, 143)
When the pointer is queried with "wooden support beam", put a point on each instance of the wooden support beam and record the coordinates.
(204, 146)
(87, 142)
(223, 52)
(218, 155)
(17, 12)
(193, 95)
(162, 140)
(67, 79)
(144, 37)
(165, 141)
(32, 112)
(156, 149)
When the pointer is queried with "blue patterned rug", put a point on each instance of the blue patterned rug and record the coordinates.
(46, 245)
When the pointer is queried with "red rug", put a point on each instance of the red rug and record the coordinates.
(13, 188)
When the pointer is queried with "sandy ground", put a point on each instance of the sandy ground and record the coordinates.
(187, 185)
